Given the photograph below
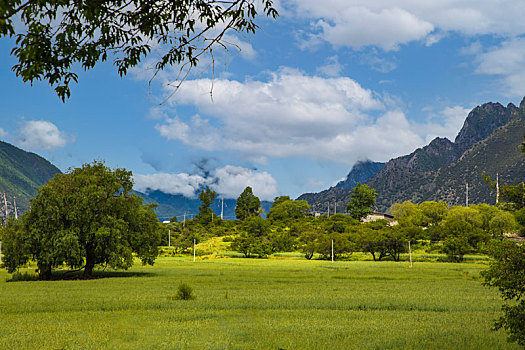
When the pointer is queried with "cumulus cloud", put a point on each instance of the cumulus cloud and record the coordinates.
(228, 181)
(507, 61)
(41, 135)
(184, 184)
(293, 115)
(232, 180)
(3, 133)
(388, 24)
(445, 123)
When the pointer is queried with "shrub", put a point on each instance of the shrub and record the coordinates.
(184, 292)
(26, 276)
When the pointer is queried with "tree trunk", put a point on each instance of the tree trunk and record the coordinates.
(44, 272)
(90, 261)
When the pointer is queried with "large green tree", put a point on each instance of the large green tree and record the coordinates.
(56, 38)
(247, 204)
(83, 218)
(285, 210)
(507, 273)
(361, 201)
(206, 214)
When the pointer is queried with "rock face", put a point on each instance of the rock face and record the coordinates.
(21, 173)
(482, 121)
(360, 173)
(486, 144)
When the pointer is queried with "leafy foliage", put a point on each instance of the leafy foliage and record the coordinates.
(507, 273)
(285, 210)
(85, 217)
(361, 201)
(62, 36)
(206, 215)
(247, 204)
(184, 292)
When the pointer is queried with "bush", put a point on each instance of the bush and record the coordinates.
(26, 276)
(184, 292)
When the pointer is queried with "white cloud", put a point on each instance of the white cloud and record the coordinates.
(332, 68)
(3, 133)
(388, 24)
(41, 134)
(446, 123)
(507, 61)
(291, 115)
(357, 27)
(232, 180)
(182, 183)
(228, 181)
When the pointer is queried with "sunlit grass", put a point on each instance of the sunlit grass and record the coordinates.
(257, 304)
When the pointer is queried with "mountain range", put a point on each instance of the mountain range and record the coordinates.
(22, 173)
(487, 144)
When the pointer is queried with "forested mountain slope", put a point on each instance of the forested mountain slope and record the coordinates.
(21, 173)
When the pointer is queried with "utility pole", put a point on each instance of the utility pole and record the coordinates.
(5, 202)
(335, 206)
(16, 211)
(184, 222)
(169, 238)
(497, 188)
(332, 251)
(222, 208)
(410, 253)
(328, 209)
(466, 199)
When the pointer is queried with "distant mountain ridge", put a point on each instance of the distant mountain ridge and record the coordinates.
(486, 144)
(360, 173)
(178, 205)
(21, 174)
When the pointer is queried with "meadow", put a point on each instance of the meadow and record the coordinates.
(257, 304)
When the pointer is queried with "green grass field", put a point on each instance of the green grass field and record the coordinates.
(257, 304)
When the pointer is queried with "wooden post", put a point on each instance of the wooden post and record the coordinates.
(169, 238)
(332, 251)
(410, 253)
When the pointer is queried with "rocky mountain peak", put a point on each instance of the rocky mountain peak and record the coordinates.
(481, 122)
(361, 172)
(522, 104)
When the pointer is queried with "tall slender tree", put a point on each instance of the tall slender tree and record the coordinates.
(248, 204)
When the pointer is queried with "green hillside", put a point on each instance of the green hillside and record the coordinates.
(21, 173)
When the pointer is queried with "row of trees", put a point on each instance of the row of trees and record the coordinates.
(288, 227)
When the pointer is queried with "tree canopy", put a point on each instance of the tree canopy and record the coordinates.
(361, 201)
(206, 214)
(248, 204)
(507, 273)
(55, 37)
(86, 217)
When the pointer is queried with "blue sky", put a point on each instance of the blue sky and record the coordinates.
(326, 84)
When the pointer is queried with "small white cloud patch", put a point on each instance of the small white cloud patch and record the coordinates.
(41, 135)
